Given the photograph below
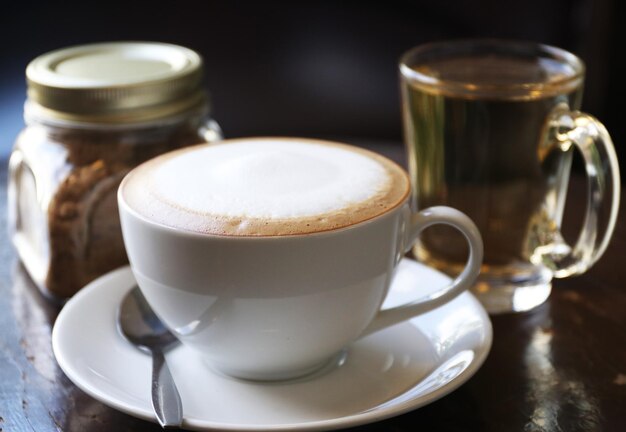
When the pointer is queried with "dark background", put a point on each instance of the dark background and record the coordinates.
(325, 69)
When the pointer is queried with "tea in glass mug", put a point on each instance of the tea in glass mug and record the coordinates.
(490, 127)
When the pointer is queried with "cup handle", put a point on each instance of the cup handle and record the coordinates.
(419, 222)
(564, 129)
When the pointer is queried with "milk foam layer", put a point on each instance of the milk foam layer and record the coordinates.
(265, 187)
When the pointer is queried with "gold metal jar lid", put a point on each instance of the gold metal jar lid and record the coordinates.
(119, 82)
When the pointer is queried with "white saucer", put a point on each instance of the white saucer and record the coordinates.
(385, 374)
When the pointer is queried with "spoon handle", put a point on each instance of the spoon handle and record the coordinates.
(165, 398)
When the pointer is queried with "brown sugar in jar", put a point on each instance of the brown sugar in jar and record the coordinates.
(93, 113)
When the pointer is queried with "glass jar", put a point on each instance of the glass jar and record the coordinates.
(93, 113)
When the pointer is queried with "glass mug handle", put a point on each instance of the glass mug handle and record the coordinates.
(566, 128)
(417, 223)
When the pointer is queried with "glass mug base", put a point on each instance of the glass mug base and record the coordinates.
(503, 296)
(518, 287)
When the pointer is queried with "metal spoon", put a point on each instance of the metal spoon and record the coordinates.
(138, 323)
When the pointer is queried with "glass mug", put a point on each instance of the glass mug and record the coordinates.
(490, 127)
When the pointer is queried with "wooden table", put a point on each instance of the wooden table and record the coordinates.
(561, 367)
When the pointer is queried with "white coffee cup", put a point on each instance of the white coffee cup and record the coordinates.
(279, 302)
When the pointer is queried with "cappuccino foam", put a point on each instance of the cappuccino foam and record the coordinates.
(265, 187)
